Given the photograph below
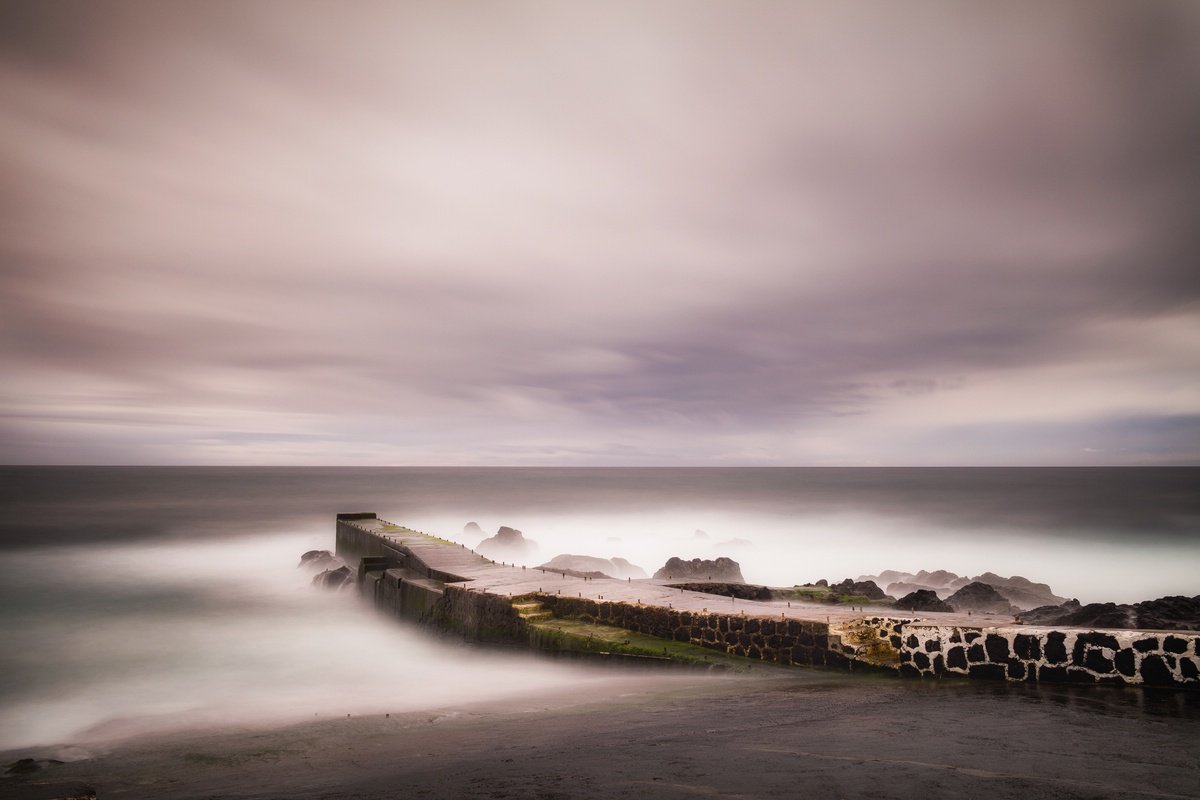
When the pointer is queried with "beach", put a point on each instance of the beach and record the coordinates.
(782, 733)
(161, 641)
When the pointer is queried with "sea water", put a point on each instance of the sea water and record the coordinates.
(136, 599)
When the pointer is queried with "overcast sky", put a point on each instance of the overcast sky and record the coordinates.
(600, 233)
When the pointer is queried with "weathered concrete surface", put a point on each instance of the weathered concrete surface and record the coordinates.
(511, 580)
(438, 582)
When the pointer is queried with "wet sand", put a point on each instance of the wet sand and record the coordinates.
(777, 734)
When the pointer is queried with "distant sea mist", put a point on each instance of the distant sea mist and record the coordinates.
(137, 597)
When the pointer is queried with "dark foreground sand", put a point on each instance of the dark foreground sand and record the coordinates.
(799, 734)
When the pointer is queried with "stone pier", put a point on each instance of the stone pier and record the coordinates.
(442, 584)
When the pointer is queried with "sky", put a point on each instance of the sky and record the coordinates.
(556, 233)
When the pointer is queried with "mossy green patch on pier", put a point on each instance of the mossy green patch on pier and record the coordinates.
(574, 635)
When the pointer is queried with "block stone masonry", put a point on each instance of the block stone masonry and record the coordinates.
(783, 641)
(1021, 653)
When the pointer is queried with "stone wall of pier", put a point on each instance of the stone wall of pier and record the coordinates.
(775, 639)
(394, 579)
(1116, 657)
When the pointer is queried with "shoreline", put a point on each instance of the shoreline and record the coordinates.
(686, 735)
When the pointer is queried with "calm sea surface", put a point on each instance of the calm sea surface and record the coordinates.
(135, 598)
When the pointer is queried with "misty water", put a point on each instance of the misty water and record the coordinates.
(137, 599)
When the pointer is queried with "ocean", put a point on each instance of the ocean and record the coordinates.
(138, 598)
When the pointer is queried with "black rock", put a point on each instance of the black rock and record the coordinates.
(1096, 661)
(997, 647)
(922, 600)
(1175, 613)
(956, 658)
(1021, 592)
(1056, 648)
(334, 579)
(1155, 671)
(721, 570)
(1027, 647)
(981, 598)
(319, 560)
(1047, 615)
(1165, 613)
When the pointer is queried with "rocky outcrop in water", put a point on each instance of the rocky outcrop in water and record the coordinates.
(594, 567)
(722, 570)
(1021, 592)
(319, 560)
(1017, 590)
(1049, 614)
(1175, 613)
(627, 570)
(334, 579)
(922, 600)
(509, 544)
(980, 598)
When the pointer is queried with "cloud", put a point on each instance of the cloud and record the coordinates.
(297, 233)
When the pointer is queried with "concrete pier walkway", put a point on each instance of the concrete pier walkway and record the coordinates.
(514, 580)
(445, 584)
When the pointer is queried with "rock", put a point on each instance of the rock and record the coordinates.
(868, 589)
(1174, 613)
(1165, 613)
(699, 534)
(594, 567)
(981, 598)
(922, 600)
(901, 588)
(319, 560)
(824, 584)
(742, 591)
(938, 579)
(1047, 615)
(1021, 592)
(472, 530)
(25, 766)
(626, 569)
(334, 579)
(888, 576)
(722, 569)
(590, 565)
(509, 544)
